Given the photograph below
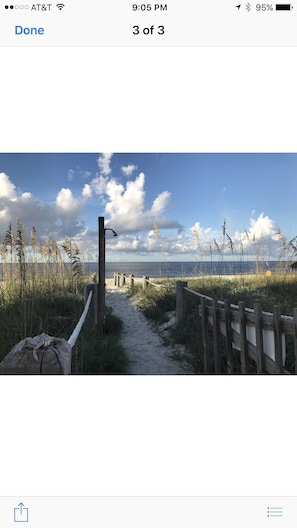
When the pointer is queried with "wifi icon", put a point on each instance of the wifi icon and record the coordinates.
(60, 6)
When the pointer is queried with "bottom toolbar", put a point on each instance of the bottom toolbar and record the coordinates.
(160, 512)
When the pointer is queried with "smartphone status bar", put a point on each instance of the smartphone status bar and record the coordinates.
(126, 23)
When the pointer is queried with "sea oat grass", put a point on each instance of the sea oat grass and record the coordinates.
(41, 292)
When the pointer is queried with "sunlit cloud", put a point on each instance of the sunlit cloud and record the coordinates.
(7, 188)
(104, 163)
(128, 170)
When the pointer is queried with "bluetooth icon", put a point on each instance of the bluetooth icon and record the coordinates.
(248, 7)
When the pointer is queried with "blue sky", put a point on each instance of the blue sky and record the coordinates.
(170, 206)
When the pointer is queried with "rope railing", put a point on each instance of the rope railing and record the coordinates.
(44, 354)
(236, 307)
(160, 285)
(120, 279)
(72, 339)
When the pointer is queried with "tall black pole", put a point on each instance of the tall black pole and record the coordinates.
(101, 275)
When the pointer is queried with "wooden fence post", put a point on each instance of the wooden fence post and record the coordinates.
(123, 281)
(216, 337)
(91, 320)
(278, 354)
(243, 342)
(145, 279)
(131, 280)
(259, 337)
(115, 278)
(205, 341)
(181, 302)
(295, 337)
(229, 348)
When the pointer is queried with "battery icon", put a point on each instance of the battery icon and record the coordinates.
(283, 7)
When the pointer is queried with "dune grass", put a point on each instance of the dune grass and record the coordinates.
(42, 290)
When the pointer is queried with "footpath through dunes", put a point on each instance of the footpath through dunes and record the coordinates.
(144, 347)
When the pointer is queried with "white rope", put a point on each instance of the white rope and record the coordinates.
(72, 339)
(160, 285)
(236, 307)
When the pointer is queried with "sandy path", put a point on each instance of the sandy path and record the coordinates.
(144, 346)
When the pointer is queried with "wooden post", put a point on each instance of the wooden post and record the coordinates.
(131, 280)
(181, 302)
(205, 342)
(277, 323)
(101, 288)
(144, 282)
(243, 342)
(92, 315)
(229, 349)
(295, 337)
(216, 337)
(115, 278)
(123, 281)
(259, 337)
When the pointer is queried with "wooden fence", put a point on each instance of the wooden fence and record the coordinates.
(251, 334)
(248, 334)
(121, 279)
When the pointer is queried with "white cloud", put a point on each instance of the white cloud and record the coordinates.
(126, 208)
(60, 219)
(160, 203)
(128, 170)
(26, 196)
(263, 226)
(99, 184)
(87, 191)
(128, 213)
(260, 240)
(66, 203)
(260, 229)
(70, 175)
(199, 232)
(7, 188)
(104, 163)
(78, 173)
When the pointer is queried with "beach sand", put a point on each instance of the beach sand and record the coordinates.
(143, 343)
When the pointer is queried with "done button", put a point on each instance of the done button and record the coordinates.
(20, 30)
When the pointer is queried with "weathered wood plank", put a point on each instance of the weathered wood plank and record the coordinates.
(229, 349)
(277, 327)
(181, 302)
(259, 337)
(205, 340)
(295, 337)
(216, 337)
(243, 341)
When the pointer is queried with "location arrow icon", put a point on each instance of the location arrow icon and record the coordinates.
(238, 6)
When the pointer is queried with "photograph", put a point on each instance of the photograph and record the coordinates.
(148, 263)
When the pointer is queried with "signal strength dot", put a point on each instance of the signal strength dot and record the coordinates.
(60, 6)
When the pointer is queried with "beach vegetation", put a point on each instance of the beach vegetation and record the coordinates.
(42, 290)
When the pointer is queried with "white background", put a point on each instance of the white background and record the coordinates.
(148, 435)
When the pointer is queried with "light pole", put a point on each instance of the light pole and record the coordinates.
(101, 272)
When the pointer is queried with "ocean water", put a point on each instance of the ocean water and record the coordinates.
(180, 269)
